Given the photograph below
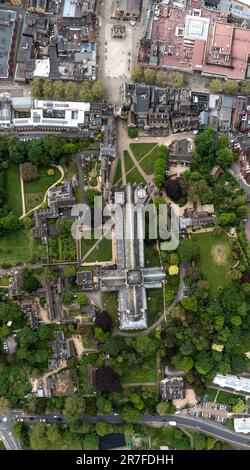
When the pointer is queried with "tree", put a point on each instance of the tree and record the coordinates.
(90, 441)
(107, 380)
(149, 75)
(173, 270)
(226, 218)
(102, 428)
(47, 88)
(30, 172)
(177, 79)
(58, 90)
(230, 87)
(71, 91)
(104, 321)
(36, 87)
(54, 436)
(136, 73)
(35, 152)
(224, 157)
(161, 78)
(146, 346)
(159, 172)
(67, 298)
(216, 86)
(82, 298)
(204, 362)
(136, 400)
(30, 282)
(74, 407)
(186, 363)
(4, 406)
(98, 90)
(85, 92)
(131, 414)
(245, 87)
(188, 250)
(190, 303)
(50, 172)
(100, 335)
(53, 146)
(38, 437)
(164, 408)
(173, 258)
(173, 189)
(240, 406)
(199, 191)
(103, 405)
(200, 442)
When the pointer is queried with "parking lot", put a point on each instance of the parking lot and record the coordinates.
(206, 410)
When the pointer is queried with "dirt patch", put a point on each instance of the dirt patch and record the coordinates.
(219, 253)
(189, 399)
(78, 346)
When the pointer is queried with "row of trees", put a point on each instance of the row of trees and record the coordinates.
(88, 91)
(160, 165)
(154, 77)
(230, 87)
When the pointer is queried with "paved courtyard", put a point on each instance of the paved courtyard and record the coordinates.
(118, 54)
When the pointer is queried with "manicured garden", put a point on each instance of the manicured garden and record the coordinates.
(19, 247)
(102, 252)
(134, 176)
(140, 374)
(140, 150)
(13, 189)
(215, 259)
(35, 190)
(147, 163)
(87, 360)
(118, 173)
(128, 161)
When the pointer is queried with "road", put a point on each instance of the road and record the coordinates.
(9, 440)
(207, 427)
(235, 172)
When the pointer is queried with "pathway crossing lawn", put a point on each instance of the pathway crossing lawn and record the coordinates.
(134, 176)
(147, 163)
(139, 150)
(13, 189)
(128, 161)
(18, 247)
(215, 259)
(35, 190)
(139, 374)
(102, 252)
(118, 173)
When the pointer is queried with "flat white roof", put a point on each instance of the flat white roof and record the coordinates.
(42, 68)
(239, 384)
(69, 8)
(196, 27)
(242, 425)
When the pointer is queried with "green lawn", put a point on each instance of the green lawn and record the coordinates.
(18, 247)
(43, 182)
(118, 173)
(102, 252)
(128, 161)
(139, 150)
(110, 303)
(79, 195)
(140, 374)
(4, 281)
(134, 176)
(155, 305)
(88, 359)
(13, 189)
(151, 255)
(223, 397)
(147, 163)
(215, 260)
(35, 190)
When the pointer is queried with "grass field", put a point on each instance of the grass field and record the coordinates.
(118, 173)
(4, 281)
(102, 252)
(151, 255)
(139, 150)
(79, 195)
(147, 163)
(88, 359)
(35, 190)
(134, 176)
(215, 259)
(13, 189)
(223, 397)
(18, 247)
(155, 305)
(110, 303)
(140, 374)
(128, 161)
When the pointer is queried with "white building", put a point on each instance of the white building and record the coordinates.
(239, 384)
(242, 425)
(237, 8)
(47, 113)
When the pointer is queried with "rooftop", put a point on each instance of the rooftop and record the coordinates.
(7, 25)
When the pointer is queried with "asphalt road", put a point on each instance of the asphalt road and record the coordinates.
(204, 426)
(7, 436)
